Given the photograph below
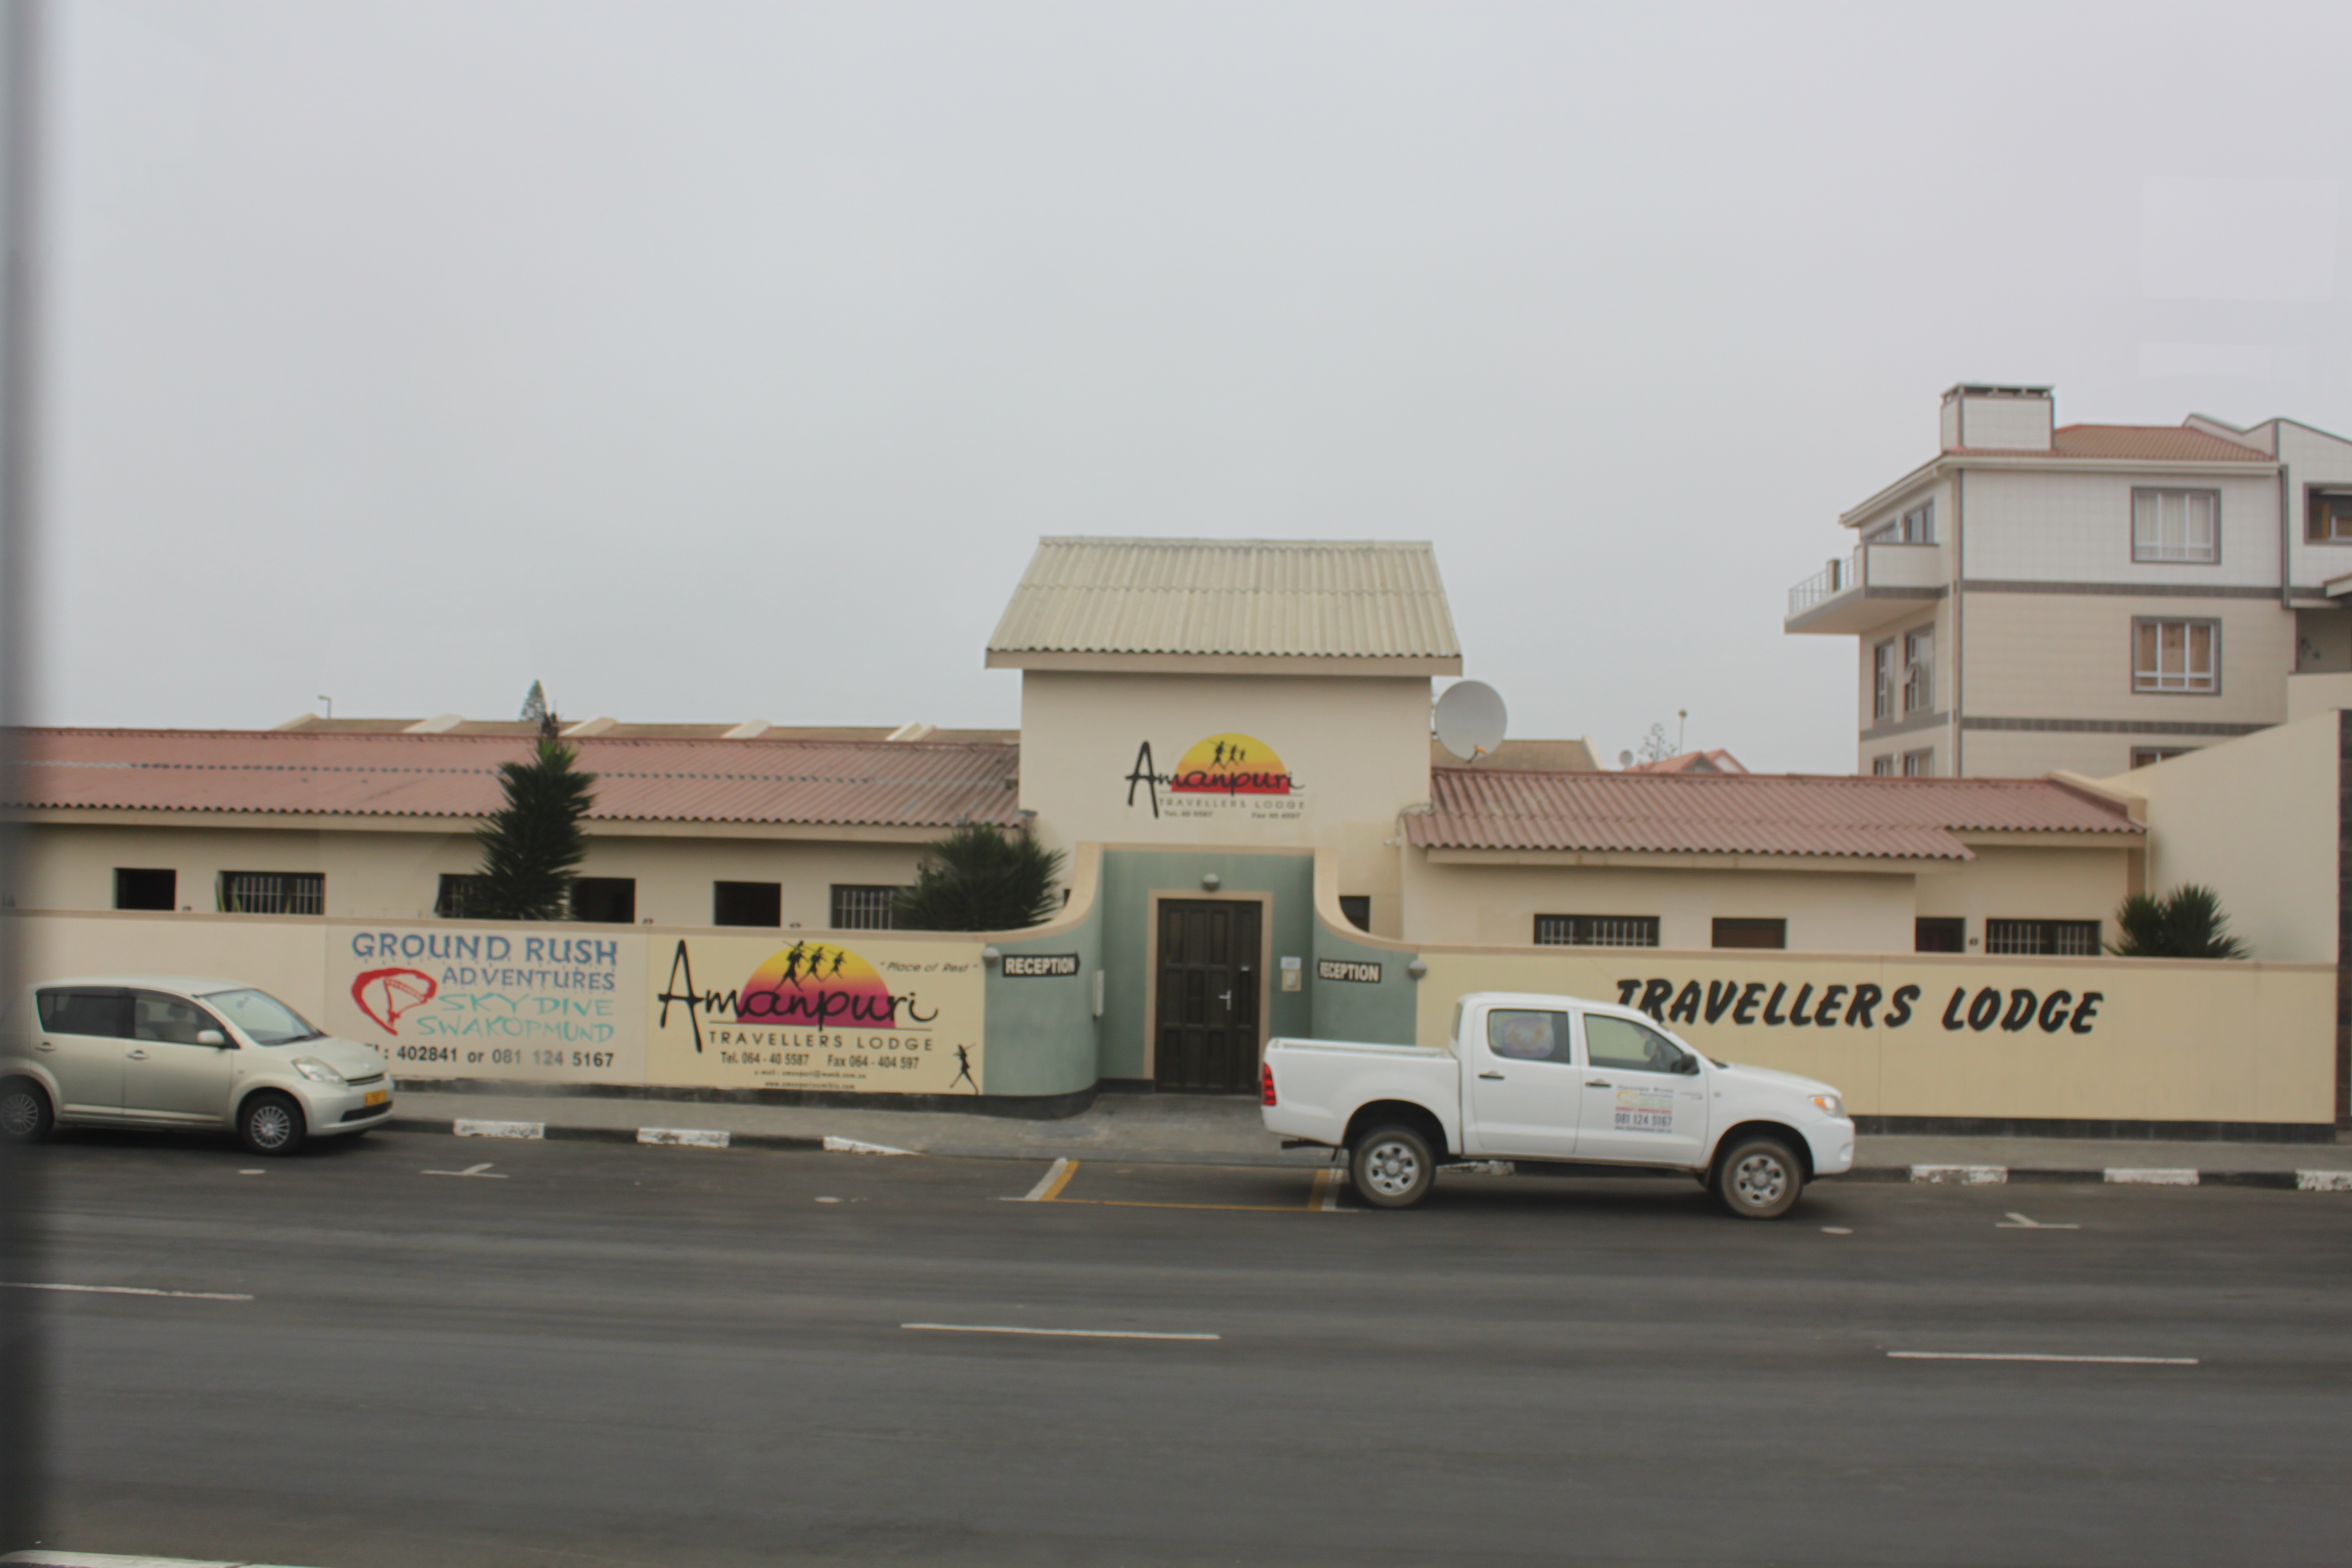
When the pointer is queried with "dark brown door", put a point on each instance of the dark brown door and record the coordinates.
(1207, 998)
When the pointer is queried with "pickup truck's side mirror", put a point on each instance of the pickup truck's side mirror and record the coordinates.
(211, 1038)
(1688, 1066)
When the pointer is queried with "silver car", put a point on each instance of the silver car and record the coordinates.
(166, 1051)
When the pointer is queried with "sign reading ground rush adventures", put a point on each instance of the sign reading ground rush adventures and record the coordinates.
(884, 1017)
(555, 1008)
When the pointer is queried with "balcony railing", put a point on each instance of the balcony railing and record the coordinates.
(1898, 570)
(1826, 583)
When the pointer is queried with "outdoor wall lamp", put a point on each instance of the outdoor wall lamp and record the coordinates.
(1417, 968)
(1210, 882)
(990, 957)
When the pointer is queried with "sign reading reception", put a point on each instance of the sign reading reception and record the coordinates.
(887, 1016)
(458, 1004)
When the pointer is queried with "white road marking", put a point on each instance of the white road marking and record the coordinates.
(2151, 1178)
(690, 1137)
(1962, 1175)
(129, 1290)
(253, 1172)
(1058, 1333)
(852, 1146)
(1837, 1230)
(465, 1129)
(1335, 1180)
(2007, 1355)
(828, 1200)
(2017, 1221)
(1045, 1184)
(482, 1170)
(41, 1557)
(2323, 1181)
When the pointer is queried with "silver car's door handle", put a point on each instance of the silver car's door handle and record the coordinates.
(137, 1056)
(1493, 1075)
(1598, 1083)
(45, 1046)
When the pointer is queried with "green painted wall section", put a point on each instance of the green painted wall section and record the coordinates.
(1130, 876)
(1381, 1013)
(1042, 1031)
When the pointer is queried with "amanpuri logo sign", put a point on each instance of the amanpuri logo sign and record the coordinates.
(1223, 766)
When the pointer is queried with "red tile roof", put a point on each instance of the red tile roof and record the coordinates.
(910, 783)
(1692, 763)
(2150, 443)
(1746, 814)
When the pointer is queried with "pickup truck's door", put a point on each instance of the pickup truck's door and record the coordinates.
(1524, 1086)
(1637, 1109)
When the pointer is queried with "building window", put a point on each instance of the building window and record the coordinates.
(1919, 670)
(1752, 934)
(604, 900)
(2045, 939)
(1920, 764)
(273, 893)
(2177, 525)
(137, 890)
(459, 896)
(1883, 767)
(1357, 908)
(746, 903)
(1939, 933)
(2327, 517)
(1916, 526)
(1596, 930)
(1882, 682)
(2177, 656)
(863, 909)
(2142, 757)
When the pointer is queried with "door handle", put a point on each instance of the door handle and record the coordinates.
(1598, 1083)
(1496, 1076)
(1226, 997)
(136, 1056)
(45, 1046)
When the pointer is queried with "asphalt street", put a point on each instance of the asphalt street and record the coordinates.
(603, 1354)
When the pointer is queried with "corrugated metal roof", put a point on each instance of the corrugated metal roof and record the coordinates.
(2155, 443)
(1264, 597)
(901, 783)
(1745, 814)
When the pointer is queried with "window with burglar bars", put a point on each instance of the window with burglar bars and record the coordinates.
(456, 899)
(862, 909)
(1596, 930)
(2043, 939)
(273, 892)
(2177, 656)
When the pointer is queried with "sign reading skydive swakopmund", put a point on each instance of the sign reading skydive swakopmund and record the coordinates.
(887, 1017)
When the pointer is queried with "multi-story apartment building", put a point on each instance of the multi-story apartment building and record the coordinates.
(2091, 597)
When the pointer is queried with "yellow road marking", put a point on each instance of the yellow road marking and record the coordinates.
(1318, 1197)
(1054, 1185)
(1244, 1208)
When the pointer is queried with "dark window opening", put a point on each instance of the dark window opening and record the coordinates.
(863, 907)
(104, 1014)
(135, 890)
(459, 896)
(746, 903)
(1357, 908)
(1596, 930)
(604, 900)
(273, 892)
(2045, 939)
(1752, 934)
(1939, 933)
(2148, 756)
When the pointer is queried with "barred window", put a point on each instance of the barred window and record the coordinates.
(863, 909)
(2044, 939)
(1596, 930)
(273, 893)
(458, 896)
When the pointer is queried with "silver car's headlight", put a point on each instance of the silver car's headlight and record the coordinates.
(317, 1071)
(1831, 1104)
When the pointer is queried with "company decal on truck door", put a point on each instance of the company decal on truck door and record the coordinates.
(1644, 1110)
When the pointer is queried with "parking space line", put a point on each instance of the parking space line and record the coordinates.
(1049, 1186)
(129, 1290)
(1319, 1195)
(2017, 1221)
(1235, 1208)
(1055, 1333)
(2008, 1355)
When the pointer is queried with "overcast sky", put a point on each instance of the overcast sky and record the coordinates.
(714, 362)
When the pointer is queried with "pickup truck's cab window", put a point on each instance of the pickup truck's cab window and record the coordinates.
(1527, 1035)
(1623, 1043)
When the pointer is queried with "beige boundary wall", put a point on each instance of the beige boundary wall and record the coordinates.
(2014, 1038)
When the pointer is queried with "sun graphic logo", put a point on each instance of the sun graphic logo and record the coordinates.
(1231, 765)
(820, 986)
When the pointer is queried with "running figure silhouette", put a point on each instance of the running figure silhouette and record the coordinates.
(963, 1069)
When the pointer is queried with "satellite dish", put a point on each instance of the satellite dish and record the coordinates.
(1624, 759)
(1470, 719)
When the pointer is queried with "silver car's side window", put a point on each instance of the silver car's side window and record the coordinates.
(167, 1020)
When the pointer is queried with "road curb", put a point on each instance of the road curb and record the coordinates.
(1999, 1176)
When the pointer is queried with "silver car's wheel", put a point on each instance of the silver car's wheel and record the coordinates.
(25, 1114)
(1759, 1178)
(1392, 1168)
(271, 1124)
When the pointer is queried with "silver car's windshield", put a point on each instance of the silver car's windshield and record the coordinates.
(265, 1019)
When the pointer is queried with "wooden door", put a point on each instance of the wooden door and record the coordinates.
(1207, 997)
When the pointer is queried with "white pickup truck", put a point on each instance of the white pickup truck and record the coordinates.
(1562, 1081)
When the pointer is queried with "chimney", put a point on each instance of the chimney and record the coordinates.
(1997, 418)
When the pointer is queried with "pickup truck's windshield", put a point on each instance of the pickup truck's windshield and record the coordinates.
(265, 1019)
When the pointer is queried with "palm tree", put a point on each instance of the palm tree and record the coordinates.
(2187, 922)
(531, 848)
(977, 878)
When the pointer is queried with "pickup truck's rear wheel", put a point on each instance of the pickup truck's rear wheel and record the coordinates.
(1758, 1178)
(1391, 1167)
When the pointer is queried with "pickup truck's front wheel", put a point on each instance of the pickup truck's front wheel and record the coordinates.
(1758, 1178)
(1391, 1167)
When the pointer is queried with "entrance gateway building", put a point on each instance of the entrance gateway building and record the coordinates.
(1231, 740)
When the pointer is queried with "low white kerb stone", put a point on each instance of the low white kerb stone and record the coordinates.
(1962, 1175)
(498, 1129)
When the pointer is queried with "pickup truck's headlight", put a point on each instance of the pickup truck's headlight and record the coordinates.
(1831, 1104)
(317, 1071)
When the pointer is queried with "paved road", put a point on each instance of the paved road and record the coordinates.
(678, 1356)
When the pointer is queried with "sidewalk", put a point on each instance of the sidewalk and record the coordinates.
(1198, 1130)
